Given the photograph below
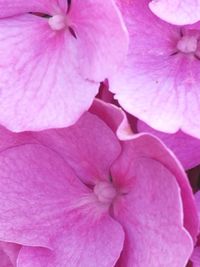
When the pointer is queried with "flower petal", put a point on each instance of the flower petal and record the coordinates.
(37, 188)
(185, 147)
(86, 242)
(114, 117)
(147, 146)
(89, 147)
(102, 37)
(39, 82)
(11, 8)
(11, 250)
(151, 214)
(176, 11)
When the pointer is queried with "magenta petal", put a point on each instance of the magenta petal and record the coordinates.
(195, 258)
(152, 217)
(146, 146)
(89, 147)
(102, 37)
(177, 11)
(86, 242)
(40, 84)
(185, 147)
(37, 188)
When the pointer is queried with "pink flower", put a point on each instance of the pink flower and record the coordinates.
(53, 56)
(79, 197)
(159, 82)
(177, 11)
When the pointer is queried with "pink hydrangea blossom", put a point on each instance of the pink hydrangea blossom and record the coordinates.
(177, 11)
(159, 81)
(78, 196)
(53, 56)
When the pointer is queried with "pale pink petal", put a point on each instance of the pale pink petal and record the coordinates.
(158, 83)
(102, 37)
(185, 147)
(89, 147)
(151, 214)
(177, 11)
(38, 189)
(147, 146)
(40, 85)
(114, 117)
(85, 242)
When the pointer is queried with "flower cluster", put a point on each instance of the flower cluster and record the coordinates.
(99, 133)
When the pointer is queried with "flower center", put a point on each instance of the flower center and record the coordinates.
(188, 44)
(105, 192)
(58, 22)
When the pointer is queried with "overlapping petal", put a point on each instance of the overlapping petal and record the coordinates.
(185, 147)
(89, 147)
(45, 72)
(152, 218)
(85, 242)
(146, 146)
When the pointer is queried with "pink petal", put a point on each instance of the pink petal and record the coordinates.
(155, 84)
(4, 260)
(38, 189)
(102, 37)
(86, 242)
(177, 11)
(11, 250)
(114, 117)
(152, 218)
(9, 7)
(185, 147)
(146, 146)
(40, 85)
(89, 147)
(150, 210)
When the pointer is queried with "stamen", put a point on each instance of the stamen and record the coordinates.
(58, 22)
(105, 192)
(187, 44)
